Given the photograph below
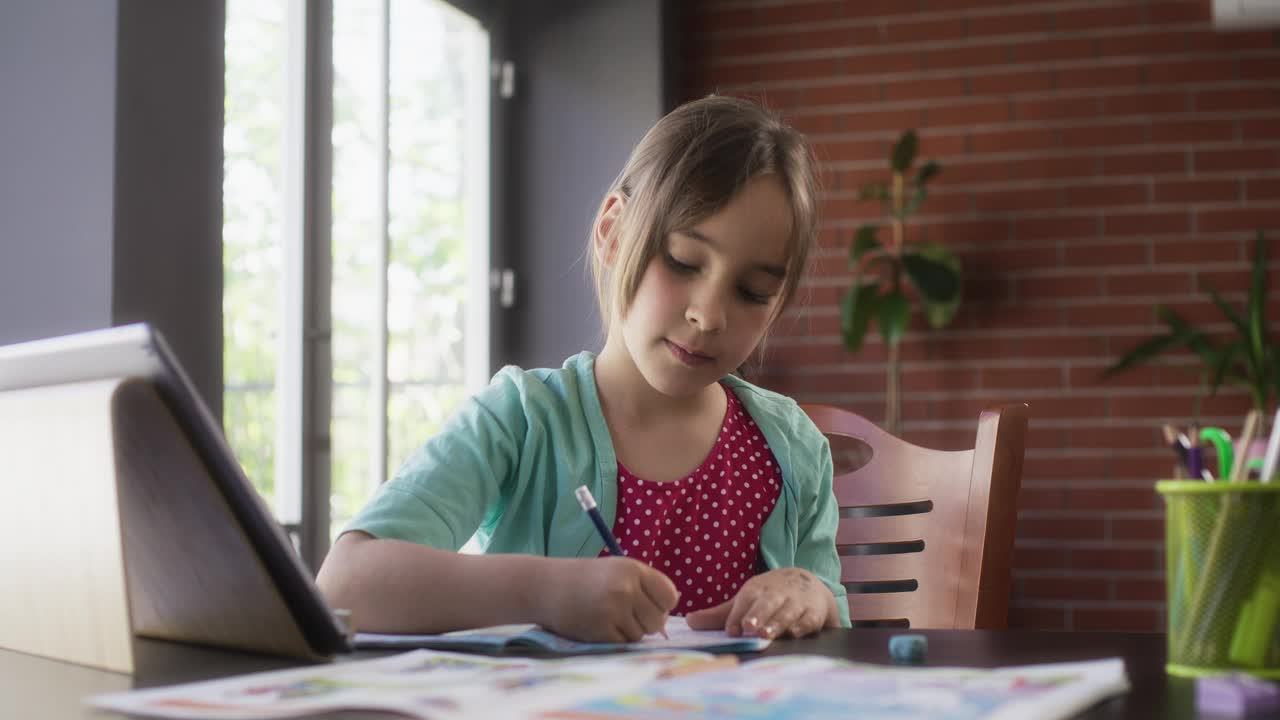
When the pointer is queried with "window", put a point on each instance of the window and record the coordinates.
(252, 235)
(404, 317)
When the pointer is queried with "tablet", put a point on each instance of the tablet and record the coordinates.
(139, 351)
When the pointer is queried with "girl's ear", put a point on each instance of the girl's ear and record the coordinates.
(608, 226)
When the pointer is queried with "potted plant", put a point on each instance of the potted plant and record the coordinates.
(881, 264)
(1247, 357)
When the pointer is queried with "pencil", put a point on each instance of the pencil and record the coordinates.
(1246, 439)
(1195, 457)
(588, 503)
(1176, 442)
(1172, 439)
(1273, 451)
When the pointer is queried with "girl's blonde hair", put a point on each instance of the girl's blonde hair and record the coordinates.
(685, 169)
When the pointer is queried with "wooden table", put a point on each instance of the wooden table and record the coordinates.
(33, 687)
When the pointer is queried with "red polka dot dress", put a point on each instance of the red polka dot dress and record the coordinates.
(703, 530)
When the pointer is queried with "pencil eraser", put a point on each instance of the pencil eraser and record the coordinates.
(908, 649)
(1237, 695)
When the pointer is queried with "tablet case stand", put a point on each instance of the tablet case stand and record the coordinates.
(111, 528)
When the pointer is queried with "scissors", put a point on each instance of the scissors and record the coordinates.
(1222, 447)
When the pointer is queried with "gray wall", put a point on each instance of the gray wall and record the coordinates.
(167, 267)
(111, 172)
(57, 164)
(589, 84)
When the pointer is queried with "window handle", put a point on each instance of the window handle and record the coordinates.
(503, 281)
(505, 73)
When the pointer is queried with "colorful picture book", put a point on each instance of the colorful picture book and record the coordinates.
(807, 687)
(426, 684)
(679, 637)
(651, 686)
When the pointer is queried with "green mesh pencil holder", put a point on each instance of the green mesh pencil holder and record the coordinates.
(1222, 575)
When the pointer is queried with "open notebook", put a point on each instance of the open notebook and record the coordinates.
(679, 637)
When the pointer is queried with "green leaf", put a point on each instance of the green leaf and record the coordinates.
(873, 191)
(935, 279)
(1179, 335)
(904, 152)
(1255, 363)
(1145, 352)
(855, 313)
(1191, 337)
(892, 270)
(1275, 376)
(1258, 304)
(892, 313)
(940, 313)
(1221, 366)
(927, 171)
(863, 240)
(913, 204)
(1229, 311)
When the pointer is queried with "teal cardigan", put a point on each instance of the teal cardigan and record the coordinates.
(506, 464)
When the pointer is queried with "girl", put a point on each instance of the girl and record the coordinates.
(718, 491)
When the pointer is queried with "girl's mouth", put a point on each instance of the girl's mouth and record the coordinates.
(688, 357)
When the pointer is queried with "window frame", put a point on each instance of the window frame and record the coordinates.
(305, 366)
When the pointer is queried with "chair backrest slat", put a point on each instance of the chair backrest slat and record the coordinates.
(887, 529)
(872, 568)
(879, 607)
(955, 541)
(870, 489)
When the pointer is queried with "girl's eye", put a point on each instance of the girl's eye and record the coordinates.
(746, 293)
(678, 266)
(755, 297)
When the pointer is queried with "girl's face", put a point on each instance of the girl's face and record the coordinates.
(705, 301)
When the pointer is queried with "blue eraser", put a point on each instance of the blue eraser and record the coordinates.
(1237, 695)
(908, 649)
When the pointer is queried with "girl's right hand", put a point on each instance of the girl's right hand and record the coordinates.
(611, 599)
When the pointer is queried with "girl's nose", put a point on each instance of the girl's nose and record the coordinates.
(706, 313)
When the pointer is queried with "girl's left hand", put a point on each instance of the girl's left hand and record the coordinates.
(786, 601)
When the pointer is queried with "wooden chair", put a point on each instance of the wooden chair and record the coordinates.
(926, 536)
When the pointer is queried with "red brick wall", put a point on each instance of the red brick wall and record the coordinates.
(1099, 157)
